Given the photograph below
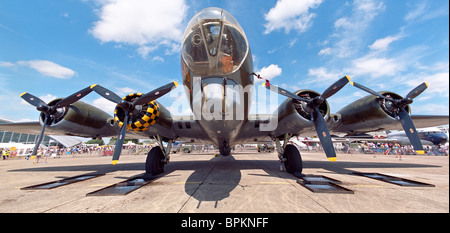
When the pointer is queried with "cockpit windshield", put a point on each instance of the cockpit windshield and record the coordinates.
(214, 43)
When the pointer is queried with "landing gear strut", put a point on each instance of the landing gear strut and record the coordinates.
(157, 158)
(290, 157)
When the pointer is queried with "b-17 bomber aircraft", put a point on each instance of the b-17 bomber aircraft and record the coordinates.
(218, 77)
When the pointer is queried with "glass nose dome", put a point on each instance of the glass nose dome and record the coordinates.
(214, 43)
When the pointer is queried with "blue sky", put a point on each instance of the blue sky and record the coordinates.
(53, 48)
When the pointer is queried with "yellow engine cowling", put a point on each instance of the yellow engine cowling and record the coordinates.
(141, 119)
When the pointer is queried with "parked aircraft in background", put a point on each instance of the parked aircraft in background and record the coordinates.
(428, 136)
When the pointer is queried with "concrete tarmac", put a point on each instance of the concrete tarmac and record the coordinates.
(246, 182)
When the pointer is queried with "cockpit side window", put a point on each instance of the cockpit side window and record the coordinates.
(194, 48)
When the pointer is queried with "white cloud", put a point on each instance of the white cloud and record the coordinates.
(325, 51)
(148, 24)
(143, 51)
(49, 68)
(158, 58)
(269, 72)
(292, 43)
(349, 30)
(363, 12)
(383, 43)
(441, 67)
(290, 15)
(423, 11)
(6, 64)
(376, 67)
(437, 83)
(123, 91)
(416, 12)
(104, 105)
(322, 74)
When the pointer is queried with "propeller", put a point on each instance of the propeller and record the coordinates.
(398, 107)
(49, 111)
(129, 107)
(312, 106)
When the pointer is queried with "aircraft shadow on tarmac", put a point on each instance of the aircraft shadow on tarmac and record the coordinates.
(213, 180)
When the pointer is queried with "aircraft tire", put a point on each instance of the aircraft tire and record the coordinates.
(153, 164)
(224, 151)
(293, 163)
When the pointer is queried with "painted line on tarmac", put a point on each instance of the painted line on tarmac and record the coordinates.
(187, 182)
(279, 182)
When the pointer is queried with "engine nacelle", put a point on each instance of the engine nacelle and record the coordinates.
(295, 117)
(369, 113)
(80, 119)
(143, 116)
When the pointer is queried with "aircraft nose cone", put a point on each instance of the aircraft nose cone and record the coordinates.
(440, 138)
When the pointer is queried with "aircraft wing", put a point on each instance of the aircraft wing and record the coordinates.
(262, 128)
(180, 128)
(33, 127)
(423, 121)
(355, 126)
(253, 131)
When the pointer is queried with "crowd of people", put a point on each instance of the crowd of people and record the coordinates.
(56, 152)
(380, 148)
(393, 149)
(349, 148)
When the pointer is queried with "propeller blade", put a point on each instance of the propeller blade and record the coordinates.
(105, 93)
(410, 131)
(417, 91)
(155, 94)
(33, 100)
(324, 135)
(338, 85)
(285, 92)
(41, 136)
(73, 98)
(366, 89)
(120, 139)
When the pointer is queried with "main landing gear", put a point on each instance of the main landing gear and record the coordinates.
(157, 158)
(225, 149)
(290, 157)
